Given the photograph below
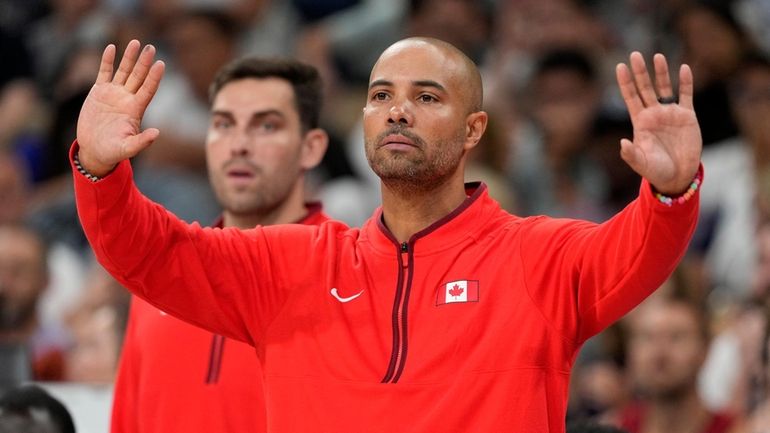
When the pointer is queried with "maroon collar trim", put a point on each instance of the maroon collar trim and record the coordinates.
(313, 208)
(474, 190)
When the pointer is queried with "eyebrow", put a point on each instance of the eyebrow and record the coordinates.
(255, 115)
(418, 83)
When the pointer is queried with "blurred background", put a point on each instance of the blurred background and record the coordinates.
(699, 345)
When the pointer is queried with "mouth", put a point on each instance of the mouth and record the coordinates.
(240, 173)
(397, 142)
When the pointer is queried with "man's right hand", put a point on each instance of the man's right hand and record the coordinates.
(109, 124)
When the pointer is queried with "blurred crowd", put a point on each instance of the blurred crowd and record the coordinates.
(695, 357)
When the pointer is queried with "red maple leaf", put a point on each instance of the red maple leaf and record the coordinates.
(456, 291)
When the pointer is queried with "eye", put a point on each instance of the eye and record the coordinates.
(427, 98)
(221, 123)
(380, 96)
(268, 126)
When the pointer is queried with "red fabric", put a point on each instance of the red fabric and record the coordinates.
(499, 364)
(633, 416)
(174, 376)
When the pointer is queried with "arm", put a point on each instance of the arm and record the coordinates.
(585, 276)
(231, 282)
(227, 281)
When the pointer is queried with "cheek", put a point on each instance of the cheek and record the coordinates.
(280, 159)
(369, 121)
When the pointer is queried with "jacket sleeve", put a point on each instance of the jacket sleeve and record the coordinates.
(584, 276)
(228, 281)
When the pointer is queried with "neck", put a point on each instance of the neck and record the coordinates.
(406, 212)
(289, 211)
(682, 415)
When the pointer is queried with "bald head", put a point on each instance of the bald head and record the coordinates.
(462, 69)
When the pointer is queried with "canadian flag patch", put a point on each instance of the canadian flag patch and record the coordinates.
(458, 291)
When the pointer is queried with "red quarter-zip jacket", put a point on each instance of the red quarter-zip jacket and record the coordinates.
(174, 376)
(358, 333)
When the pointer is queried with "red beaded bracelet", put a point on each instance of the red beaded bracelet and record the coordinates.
(680, 199)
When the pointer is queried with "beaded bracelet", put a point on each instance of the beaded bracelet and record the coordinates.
(83, 171)
(680, 199)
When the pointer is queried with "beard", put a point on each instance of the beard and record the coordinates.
(258, 198)
(672, 391)
(420, 170)
(14, 316)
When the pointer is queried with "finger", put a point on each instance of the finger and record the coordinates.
(628, 90)
(662, 78)
(632, 155)
(127, 62)
(140, 141)
(105, 68)
(642, 79)
(685, 86)
(141, 69)
(150, 84)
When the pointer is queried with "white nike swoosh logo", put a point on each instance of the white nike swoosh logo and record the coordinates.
(348, 299)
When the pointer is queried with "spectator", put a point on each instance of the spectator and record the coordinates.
(730, 212)
(97, 324)
(30, 409)
(30, 349)
(591, 427)
(173, 171)
(550, 169)
(714, 44)
(668, 344)
(53, 38)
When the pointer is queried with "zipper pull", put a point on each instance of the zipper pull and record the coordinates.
(404, 255)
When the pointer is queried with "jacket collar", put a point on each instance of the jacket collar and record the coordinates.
(313, 216)
(463, 222)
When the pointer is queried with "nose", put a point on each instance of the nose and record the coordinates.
(400, 113)
(240, 144)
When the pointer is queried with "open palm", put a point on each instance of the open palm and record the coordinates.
(667, 143)
(108, 129)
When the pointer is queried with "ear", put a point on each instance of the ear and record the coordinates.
(314, 146)
(475, 125)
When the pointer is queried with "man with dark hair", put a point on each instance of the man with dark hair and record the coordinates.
(443, 313)
(591, 427)
(30, 348)
(263, 136)
(30, 409)
(669, 338)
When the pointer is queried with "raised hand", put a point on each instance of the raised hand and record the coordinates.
(108, 128)
(667, 143)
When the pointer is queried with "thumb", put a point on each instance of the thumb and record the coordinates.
(140, 141)
(632, 155)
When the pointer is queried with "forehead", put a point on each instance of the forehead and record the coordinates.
(18, 243)
(249, 95)
(410, 62)
(665, 317)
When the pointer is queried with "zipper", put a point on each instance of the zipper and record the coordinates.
(215, 359)
(399, 317)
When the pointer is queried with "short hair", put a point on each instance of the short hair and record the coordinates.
(304, 80)
(220, 21)
(34, 404)
(566, 59)
(584, 426)
(31, 233)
